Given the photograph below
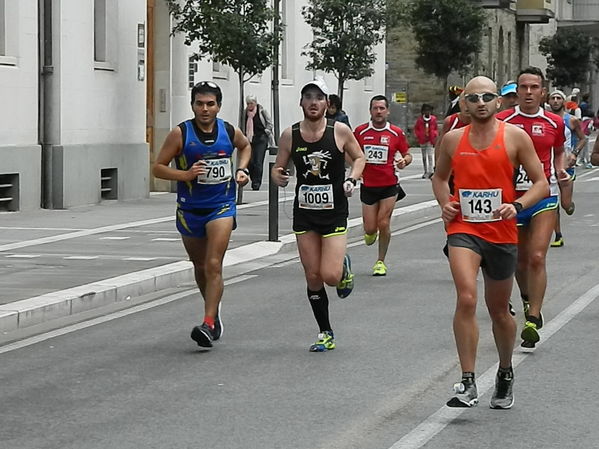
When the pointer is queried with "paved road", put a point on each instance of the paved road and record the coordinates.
(131, 381)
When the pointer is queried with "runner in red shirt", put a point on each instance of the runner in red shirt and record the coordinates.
(536, 223)
(481, 228)
(386, 149)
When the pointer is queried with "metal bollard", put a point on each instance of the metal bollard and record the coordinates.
(273, 198)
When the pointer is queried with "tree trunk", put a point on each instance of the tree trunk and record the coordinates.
(340, 88)
(446, 93)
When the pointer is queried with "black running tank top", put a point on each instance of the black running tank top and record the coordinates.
(320, 168)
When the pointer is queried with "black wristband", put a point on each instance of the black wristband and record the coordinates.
(517, 206)
(352, 180)
(245, 170)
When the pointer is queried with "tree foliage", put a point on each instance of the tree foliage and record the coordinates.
(345, 33)
(448, 34)
(568, 53)
(234, 32)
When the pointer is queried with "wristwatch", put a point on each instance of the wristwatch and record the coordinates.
(352, 180)
(245, 170)
(517, 206)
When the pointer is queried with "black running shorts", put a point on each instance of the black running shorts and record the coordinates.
(372, 195)
(324, 224)
(498, 259)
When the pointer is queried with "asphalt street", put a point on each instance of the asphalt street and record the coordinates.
(134, 378)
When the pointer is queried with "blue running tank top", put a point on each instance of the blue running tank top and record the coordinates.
(218, 185)
(571, 138)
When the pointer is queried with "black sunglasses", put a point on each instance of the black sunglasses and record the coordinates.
(475, 98)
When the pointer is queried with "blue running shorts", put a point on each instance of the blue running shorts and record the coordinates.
(192, 222)
(546, 204)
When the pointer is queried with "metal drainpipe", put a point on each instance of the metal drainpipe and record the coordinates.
(48, 111)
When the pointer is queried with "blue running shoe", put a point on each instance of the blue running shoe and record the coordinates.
(346, 284)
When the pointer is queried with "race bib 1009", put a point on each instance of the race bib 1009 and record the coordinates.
(316, 197)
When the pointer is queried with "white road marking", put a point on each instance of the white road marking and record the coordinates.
(81, 257)
(435, 423)
(23, 256)
(114, 238)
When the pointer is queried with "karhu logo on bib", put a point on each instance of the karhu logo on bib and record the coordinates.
(480, 194)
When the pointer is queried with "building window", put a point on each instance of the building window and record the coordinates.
(9, 19)
(105, 34)
(220, 70)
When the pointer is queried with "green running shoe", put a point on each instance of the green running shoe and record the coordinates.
(379, 269)
(346, 284)
(369, 239)
(325, 342)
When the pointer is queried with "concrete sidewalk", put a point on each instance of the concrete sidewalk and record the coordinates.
(56, 264)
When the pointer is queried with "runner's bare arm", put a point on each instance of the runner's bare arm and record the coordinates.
(582, 141)
(244, 153)
(170, 149)
(595, 153)
(440, 182)
(278, 172)
(351, 147)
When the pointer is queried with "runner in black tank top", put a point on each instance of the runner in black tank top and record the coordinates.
(317, 148)
(320, 202)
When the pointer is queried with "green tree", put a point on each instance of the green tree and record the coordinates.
(345, 33)
(568, 53)
(448, 35)
(234, 32)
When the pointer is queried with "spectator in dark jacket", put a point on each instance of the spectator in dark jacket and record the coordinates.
(335, 112)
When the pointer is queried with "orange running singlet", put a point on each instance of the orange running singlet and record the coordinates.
(484, 179)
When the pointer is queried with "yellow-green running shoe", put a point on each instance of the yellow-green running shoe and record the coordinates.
(557, 243)
(325, 342)
(379, 269)
(529, 333)
(369, 239)
(346, 284)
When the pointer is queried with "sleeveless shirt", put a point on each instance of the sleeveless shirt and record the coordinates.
(483, 180)
(219, 186)
(320, 168)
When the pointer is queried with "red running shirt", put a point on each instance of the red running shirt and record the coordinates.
(480, 175)
(379, 146)
(546, 130)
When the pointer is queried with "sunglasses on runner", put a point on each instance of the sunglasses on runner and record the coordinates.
(486, 97)
(209, 84)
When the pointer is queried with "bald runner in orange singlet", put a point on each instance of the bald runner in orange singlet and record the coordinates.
(480, 220)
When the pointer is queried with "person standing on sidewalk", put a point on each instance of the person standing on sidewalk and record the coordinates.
(535, 224)
(426, 133)
(257, 127)
(386, 149)
(202, 148)
(480, 221)
(318, 148)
